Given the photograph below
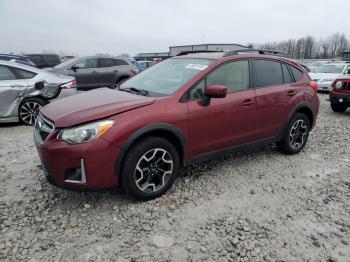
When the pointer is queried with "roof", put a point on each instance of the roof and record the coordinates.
(207, 55)
(19, 65)
(12, 55)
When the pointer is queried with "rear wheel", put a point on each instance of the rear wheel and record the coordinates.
(29, 109)
(296, 134)
(150, 168)
(338, 108)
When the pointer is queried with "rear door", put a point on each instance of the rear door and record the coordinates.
(275, 94)
(228, 121)
(107, 71)
(11, 90)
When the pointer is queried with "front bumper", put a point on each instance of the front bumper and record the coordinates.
(324, 86)
(95, 161)
(339, 98)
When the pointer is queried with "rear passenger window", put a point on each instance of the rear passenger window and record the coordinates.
(6, 73)
(119, 62)
(268, 73)
(25, 74)
(106, 62)
(296, 73)
(287, 78)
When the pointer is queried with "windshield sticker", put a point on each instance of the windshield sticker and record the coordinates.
(196, 66)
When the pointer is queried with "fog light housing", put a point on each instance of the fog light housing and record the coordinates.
(75, 175)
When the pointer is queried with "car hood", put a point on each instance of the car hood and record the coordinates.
(319, 76)
(92, 105)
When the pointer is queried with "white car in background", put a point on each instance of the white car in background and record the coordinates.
(25, 89)
(327, 73)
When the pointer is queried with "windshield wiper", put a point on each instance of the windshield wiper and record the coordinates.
(134, 90)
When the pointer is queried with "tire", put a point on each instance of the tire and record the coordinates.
(28, 110)
(150, 168)
(338, 108)
(296, 135)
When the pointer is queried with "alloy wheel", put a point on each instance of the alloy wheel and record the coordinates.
(153, 170)
(298, 134)
(29, 112)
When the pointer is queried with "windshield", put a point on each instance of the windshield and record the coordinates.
(66, 63)
(168, 76)
(334, 69)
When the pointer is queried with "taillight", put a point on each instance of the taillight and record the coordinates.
(69, 85)
(314, 85)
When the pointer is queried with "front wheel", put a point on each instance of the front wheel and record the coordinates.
(29, 109)
(150, 168)
(338, 108)
(296, 135)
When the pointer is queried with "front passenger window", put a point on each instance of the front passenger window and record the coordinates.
(87, 63)
(233, 75)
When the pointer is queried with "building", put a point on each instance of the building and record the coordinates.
(175, 50)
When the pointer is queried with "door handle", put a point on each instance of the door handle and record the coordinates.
(291, 93)
(14, 86)
(248, 102)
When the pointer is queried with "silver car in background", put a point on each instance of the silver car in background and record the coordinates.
(327, 73)
(24, 90)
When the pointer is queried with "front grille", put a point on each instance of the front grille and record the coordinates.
(43, 128)
(346, 85)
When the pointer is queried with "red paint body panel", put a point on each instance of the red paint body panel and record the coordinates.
(57, 156)
(237, 119)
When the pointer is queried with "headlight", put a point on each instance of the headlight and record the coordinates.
(85, 133)
(327, 79)
(338, 85)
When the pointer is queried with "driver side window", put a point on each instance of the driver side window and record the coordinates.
(233, 75)
(87, 63)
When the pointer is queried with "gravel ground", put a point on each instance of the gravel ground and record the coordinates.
(254, 206)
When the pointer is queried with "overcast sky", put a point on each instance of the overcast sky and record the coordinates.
(83, 27)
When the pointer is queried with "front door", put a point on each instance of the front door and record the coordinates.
(225, 122)
(86, 74)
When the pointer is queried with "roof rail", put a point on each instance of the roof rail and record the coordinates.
(256, 51)
(199, 51)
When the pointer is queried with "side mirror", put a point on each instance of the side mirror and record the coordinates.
(74, 68)
(214, 91)
(39, 85)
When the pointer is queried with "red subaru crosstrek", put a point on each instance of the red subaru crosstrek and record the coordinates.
(186, 109)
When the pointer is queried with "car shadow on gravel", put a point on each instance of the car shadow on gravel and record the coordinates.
(73, 198)
(9, 125)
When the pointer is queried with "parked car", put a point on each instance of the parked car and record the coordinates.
(146, 64)
(315, 65)
(16, 58)
(339, 95)
(183, 110)
(44, 60)
(96, 71)
(25, 89)
(327, 73)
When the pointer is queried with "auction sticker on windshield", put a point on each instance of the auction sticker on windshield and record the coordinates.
(196, 66)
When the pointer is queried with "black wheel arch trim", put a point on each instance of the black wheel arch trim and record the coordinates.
(149, 129)
(298, 107)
